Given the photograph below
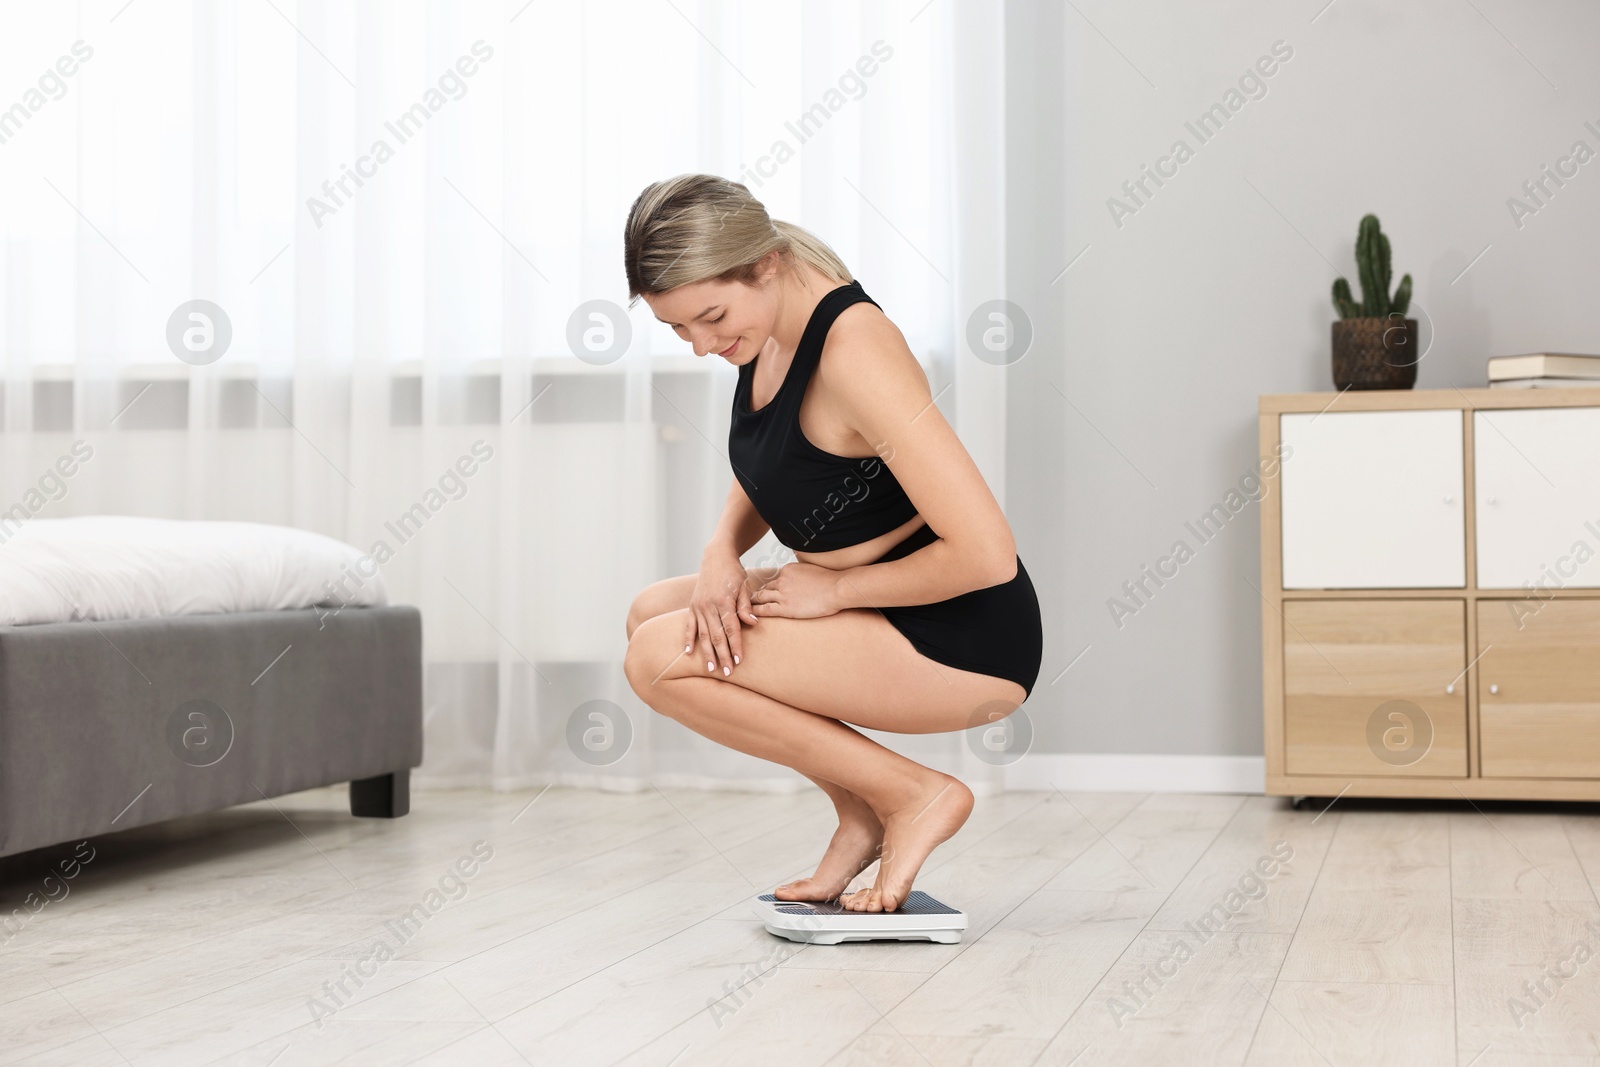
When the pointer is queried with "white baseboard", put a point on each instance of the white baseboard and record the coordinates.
(1115, 773)
(1106, 773)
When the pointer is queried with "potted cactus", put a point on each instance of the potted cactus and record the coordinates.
(1374, 344)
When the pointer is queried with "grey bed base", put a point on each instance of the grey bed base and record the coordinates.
(110, 725)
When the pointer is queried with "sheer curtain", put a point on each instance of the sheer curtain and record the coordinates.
(403, 221)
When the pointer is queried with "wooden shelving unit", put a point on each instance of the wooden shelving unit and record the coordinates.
(1476, 691)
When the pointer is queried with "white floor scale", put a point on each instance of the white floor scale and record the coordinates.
(919, 918)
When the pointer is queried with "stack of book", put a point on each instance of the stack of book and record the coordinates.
(1544, 370)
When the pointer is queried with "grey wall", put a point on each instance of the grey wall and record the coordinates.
(1430, 114)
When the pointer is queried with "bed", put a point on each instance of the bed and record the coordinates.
(153, 668)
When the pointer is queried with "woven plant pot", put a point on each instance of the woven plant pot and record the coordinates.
(1375, 353)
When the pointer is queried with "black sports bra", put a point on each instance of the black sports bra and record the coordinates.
(814, 501)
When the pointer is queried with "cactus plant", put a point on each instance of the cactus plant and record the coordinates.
(1372, 258)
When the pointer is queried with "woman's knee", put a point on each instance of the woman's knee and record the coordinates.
(654, 644)
(658, 598)
(643, 607)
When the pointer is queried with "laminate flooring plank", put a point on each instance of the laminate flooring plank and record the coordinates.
(1257, 876)
(1356, 1024)
(883, 1044)
(1152, 847)
(1380, 911)
(1515, 856)
(1174, 997)
(1528, 976)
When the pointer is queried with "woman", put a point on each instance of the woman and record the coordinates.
(837, 447)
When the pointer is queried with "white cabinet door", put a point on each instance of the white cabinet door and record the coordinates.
(1372, 500)
(1538, 497)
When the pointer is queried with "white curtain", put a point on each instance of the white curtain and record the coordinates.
(405, 213)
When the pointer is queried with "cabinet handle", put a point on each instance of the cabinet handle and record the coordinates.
(1491, 501)
(1448, 499)
(1494, 689)
(1451, 688)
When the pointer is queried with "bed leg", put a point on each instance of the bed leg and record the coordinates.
(388, 796)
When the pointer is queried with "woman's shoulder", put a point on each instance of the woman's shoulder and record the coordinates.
(861, 324)
(865, 352)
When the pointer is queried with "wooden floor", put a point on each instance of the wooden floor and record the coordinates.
(607, 928)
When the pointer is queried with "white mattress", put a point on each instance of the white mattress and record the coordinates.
(119, 567)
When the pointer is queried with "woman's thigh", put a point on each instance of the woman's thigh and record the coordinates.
(853, 666)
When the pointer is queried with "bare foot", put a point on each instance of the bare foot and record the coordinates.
(909, 835)
(855, 845)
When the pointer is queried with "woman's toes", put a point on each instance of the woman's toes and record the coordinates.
(806, 889)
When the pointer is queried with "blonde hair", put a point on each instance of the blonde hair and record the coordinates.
(696, 227)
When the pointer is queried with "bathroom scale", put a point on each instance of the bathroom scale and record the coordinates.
(817, 922)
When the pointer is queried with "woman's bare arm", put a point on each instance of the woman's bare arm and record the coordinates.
(740, 526)
(885, 397)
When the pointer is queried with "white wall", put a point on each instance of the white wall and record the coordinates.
(1165, 332)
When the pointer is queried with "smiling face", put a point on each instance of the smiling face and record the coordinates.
(728, 319)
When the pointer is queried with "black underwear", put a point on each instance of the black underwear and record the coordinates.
(994, 631)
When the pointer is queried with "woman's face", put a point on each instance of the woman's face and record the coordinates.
(727, 319)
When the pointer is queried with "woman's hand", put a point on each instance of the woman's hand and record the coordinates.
(719, 603)
(799, 591)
